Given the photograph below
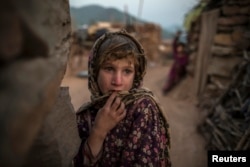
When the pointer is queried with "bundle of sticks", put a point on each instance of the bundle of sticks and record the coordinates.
(227, 126)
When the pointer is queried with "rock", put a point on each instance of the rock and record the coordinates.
(218, 67)
(245, 10)
(222, 50)
(224, 39)
(239, 36)
(233, 20)
(231, 10)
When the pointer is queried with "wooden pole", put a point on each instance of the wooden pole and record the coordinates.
(140, 8)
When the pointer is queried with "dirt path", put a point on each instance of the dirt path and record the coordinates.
(187, 146)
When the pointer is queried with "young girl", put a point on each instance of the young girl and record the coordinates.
(123, 125)
(178, 69)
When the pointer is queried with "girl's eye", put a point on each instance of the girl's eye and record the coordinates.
(128, 71)
(108, 68)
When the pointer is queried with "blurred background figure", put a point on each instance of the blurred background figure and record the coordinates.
(178, 69)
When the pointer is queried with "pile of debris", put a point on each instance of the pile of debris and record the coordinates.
(227, 126)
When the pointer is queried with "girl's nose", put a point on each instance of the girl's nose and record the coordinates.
(117, 79)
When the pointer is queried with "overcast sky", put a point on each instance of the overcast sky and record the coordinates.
(164, 12)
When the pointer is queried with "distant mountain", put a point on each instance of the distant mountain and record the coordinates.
(93, 13)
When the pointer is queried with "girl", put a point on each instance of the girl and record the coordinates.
(123, 125)
(178, 69)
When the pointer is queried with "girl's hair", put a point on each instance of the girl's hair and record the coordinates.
(182, 44)
(114, 46)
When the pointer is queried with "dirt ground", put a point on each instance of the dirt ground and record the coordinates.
(187, 146)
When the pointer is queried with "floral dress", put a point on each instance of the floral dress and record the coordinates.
(140, 139)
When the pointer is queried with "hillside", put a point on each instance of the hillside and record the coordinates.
(92, 13)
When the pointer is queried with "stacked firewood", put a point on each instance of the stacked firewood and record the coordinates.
(227, 126)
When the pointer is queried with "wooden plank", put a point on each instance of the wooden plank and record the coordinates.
(208, 30)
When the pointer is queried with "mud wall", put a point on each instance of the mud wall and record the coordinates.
(34, 47)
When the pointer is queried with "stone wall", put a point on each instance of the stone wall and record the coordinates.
(34, 47)
(231, 39)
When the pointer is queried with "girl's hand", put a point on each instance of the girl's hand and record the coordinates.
(106, 119)
(109, 115)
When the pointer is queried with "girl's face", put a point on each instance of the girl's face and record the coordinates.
(180, 49)
(116, 75)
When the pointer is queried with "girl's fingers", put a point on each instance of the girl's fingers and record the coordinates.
(116, 104)
(121, 109)
(121, 112)
(111, 99)
(115, 107)
(122, 115)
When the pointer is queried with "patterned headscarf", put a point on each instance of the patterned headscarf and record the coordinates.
(95, 55)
